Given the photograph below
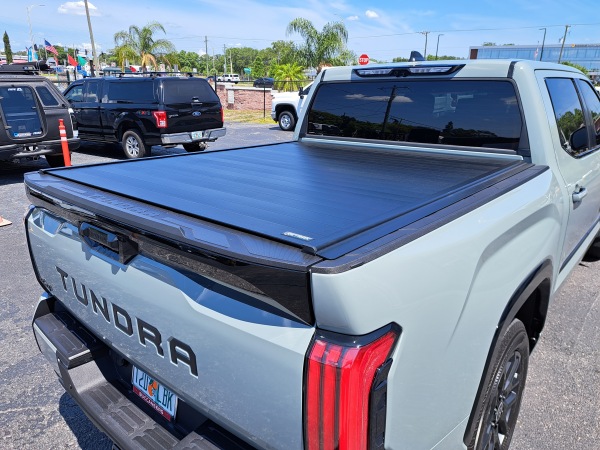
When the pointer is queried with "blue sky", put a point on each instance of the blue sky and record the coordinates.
(381, 29)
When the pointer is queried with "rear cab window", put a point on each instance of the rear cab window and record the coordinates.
(472, 113)
(184, 90)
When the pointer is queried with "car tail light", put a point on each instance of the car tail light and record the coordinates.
(161, 119)
(222, 115)
(346, 390)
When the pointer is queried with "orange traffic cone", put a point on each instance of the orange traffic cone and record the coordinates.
(4, 222)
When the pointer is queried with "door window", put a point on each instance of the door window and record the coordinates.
(568, 113)
(75, 94)
(592, 102)
(91, 92)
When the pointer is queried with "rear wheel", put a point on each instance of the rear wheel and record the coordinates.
(499, 407)
(286, 120)
(133, 145)
(55, 160)
(195, 146)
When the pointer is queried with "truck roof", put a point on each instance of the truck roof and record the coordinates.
(466, 67)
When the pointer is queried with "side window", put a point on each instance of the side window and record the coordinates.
(75, 94)
(46, 96)
(569, 115)
(91, 92)
(138, 91)
(592, 102)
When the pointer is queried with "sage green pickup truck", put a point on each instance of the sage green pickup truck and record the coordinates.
(377, 283)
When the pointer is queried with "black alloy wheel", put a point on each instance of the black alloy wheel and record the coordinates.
(502, 401)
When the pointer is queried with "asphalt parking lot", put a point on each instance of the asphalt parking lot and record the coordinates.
(561, 407)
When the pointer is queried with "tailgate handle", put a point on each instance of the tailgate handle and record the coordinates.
(120, 248)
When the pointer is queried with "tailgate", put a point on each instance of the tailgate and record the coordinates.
(191, 105)
(205, 332)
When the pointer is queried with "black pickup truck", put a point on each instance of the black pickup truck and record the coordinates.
(145, 110)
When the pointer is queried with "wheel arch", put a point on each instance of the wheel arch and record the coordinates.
(529, 303)
(286, 107)
(127, 123)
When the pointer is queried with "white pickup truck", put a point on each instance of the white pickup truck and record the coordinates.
(285, 107)
(378, 283)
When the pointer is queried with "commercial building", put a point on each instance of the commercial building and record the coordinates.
(585, 55)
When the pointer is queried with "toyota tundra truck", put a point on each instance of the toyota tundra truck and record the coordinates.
(379, 282)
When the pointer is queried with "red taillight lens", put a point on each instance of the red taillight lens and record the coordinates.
(222, 115)
(340, 377)
(161, 119)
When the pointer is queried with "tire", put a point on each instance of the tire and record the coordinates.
(195, 146)
(133, 145)
(593, 253)
(55, 160)
(287, 121)
(498, 409)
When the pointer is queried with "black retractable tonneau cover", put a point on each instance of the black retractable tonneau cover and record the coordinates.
(325, 200)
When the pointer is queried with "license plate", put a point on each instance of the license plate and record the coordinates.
(160, 398)
(197, 134)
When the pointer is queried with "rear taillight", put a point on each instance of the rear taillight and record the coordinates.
(222, 115)
(161, 119)
(346, 384)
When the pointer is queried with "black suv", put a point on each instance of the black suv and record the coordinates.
(30, 110)
(140, 111)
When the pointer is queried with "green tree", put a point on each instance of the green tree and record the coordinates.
(7, 50)
(142, 43)
(576, 66)
(319, 48)
(288, 77)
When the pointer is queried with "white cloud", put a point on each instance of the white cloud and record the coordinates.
(371, 14)
(77, 9)
(352, 18)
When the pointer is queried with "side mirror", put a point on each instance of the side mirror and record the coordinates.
(579, 139)
(300, 93)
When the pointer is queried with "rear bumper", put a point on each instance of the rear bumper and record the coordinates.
(186, 137)
(93, 375)
(22, 151)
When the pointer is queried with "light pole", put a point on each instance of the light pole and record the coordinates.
(543, 42)
(30, 31)
(437, 46)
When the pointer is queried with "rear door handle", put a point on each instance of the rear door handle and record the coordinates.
(579, 194)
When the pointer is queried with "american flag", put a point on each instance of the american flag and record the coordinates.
(50, 48)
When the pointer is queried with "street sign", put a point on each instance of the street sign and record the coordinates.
(363, 59)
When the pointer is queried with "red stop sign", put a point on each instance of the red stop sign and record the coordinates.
(363, 59)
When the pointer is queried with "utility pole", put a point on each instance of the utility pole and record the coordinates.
(206, 52)
(225, 58)
(563, 42)
(94, 55)
(425, 52)
(543, 42)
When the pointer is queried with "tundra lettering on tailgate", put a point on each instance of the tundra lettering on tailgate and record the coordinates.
(122, 320)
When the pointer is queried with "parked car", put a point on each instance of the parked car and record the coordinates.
(264, 82)
(231, 77)
(31, 109)
(144, 110)
(285, 107)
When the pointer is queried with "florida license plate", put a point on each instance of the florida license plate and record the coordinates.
(160, 398)
(197, 134)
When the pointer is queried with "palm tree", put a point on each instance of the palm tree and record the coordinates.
(141, 42)
(288, 77)
(319, 48)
